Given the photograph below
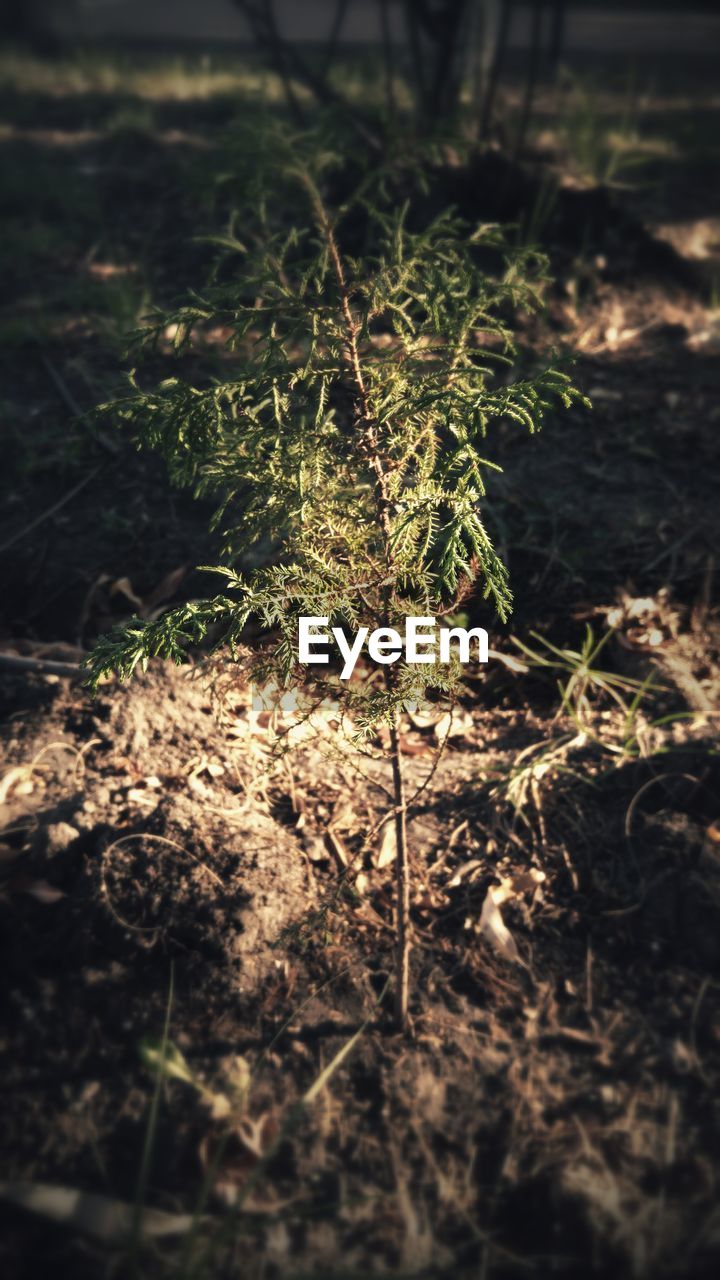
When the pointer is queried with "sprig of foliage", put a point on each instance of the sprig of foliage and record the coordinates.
(369, 354)
(347, 434)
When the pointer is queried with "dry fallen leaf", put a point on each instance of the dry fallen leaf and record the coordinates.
(124, 587)
(362, 884)
(423, 715)
(17, 780)
(457, 723)
(492, 927)
(526, 880)
(387, 852)
(136, 796)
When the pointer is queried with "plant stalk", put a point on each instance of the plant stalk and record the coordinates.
(402, 885)
(369, 428)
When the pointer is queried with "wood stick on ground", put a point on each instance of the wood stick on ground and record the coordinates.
(40, 666)
(51, 511)
(109, 445)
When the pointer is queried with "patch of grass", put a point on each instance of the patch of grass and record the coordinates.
(114, 74)
(603, 144)
(227, 1104)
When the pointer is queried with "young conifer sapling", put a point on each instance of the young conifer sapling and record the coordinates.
(345, 434)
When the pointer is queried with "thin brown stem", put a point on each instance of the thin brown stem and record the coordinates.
(261, 20)
(370, 431)
(363, 409)
(501, 46)
(332, 44)
(388, 59)
(402, 885)
(531, 78)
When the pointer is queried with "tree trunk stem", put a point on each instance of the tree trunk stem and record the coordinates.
(402, 886)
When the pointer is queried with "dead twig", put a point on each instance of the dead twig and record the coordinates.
(40, 666)
(110, 446)
(51, 511)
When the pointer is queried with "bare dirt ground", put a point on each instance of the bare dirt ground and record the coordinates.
(554, 1109)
